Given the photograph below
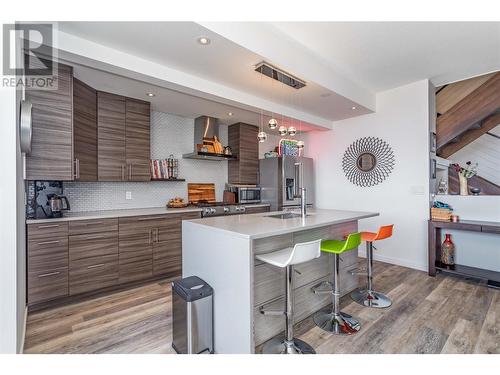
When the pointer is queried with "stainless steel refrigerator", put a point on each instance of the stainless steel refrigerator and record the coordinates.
(278, 177)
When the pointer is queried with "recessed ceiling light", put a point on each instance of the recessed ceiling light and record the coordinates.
(150, 94)
(203, 40)
(353, 107)
(230, 113)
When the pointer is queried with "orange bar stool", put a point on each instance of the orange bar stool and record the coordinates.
(368, 297)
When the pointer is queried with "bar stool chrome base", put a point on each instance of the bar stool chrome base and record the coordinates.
(339, 324)
(279, 346)
(371, 299)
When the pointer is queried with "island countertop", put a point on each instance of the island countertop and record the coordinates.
(261, 225)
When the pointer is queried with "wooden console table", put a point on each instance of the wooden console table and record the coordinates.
(435, 227)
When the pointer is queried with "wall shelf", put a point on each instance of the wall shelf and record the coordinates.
(169, 179)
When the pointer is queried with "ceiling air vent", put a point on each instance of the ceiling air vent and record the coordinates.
(279, 75)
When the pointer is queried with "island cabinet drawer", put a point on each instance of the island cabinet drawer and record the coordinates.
(347, 259)
(47, 230)
(306, 303)
(88, 274)
(92, 226)
(93, 245)
(47, 285)
(269, 281)
(47, 254)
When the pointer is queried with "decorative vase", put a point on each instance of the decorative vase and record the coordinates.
(463, 184)
(448, 251)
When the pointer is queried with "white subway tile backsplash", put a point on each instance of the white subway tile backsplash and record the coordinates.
(170, 134)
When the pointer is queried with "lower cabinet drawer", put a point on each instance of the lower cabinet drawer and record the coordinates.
(47, 254)
(47, 285)
(90, 274)
(83, 246)
(306, 303)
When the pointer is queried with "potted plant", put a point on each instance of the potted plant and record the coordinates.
(464, 173)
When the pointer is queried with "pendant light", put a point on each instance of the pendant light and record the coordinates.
(262, 135)
(273, 123)
(292, 131)
(282, 130)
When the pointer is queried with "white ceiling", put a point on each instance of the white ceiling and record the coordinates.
(355, 59)
(175, 102)
(384, 55)
(174, 44)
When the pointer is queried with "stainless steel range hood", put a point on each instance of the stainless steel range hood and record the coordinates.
(205, 127)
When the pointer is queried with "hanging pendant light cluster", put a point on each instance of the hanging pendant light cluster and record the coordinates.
(273, 125)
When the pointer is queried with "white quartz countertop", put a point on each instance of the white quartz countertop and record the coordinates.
(89, 215)
(261, 225)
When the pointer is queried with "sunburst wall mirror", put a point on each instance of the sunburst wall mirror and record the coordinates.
(368, 161)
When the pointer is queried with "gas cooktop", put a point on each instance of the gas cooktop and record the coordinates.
(219, 208)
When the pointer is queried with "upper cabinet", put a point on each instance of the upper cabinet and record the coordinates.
(245, 146)
(111, 157)
(51, 156)
(123, 138)
(137, 140)
(80, 134)
(84, 131)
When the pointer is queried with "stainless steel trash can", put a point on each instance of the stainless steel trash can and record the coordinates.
(192, 310)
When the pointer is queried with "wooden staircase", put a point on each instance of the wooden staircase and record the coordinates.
(466, 110)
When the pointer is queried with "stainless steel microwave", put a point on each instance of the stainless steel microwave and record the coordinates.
(245, 194)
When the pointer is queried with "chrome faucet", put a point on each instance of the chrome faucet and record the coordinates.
(300, 190)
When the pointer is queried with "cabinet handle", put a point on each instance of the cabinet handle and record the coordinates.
(130, 171)
(148, 218)
(48, 242)
(123, 172)
(94, 223)
(97, 236)
(96, 266)
(77, 169)
(48, 226)
(49, 274)
(156, 235)
(150, 231)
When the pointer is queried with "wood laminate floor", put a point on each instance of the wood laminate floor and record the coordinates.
(429, 315)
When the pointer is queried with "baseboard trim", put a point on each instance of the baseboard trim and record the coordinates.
(396, 261)
(24, 330)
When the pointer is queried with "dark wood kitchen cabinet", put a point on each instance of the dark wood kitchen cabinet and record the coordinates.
(111, 154)
(93, 255)
(136, 248)
(137, 140)
(167, 245)
(51, 156)
(123, 129)
(84, 131)
(47, 253)
(242, 138)
(79, 257)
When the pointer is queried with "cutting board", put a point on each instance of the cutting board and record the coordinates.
(201, 192)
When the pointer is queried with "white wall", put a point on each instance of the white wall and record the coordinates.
(475, 249)
(10, 233)
(402, 120)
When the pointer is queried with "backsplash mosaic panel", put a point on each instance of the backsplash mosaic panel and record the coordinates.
(170, 134)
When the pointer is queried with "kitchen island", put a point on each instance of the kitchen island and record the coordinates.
(221, 250)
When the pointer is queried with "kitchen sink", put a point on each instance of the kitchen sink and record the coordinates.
(286, 215)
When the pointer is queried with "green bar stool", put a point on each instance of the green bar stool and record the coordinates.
(336, 321)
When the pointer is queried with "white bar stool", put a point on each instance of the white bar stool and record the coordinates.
(287, 258)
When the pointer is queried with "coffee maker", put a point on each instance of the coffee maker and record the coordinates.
(45, 199)
(57, 204)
